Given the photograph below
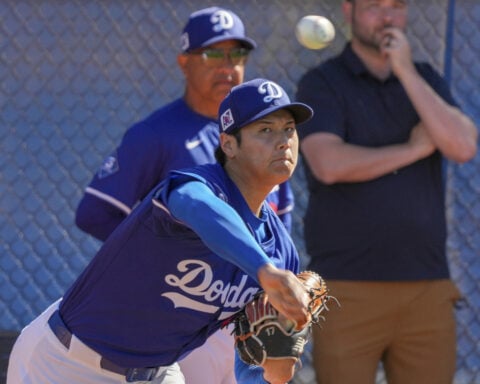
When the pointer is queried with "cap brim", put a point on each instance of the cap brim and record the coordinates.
(301, 113)
(249, 43)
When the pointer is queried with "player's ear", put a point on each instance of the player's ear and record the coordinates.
(347, 9)
(228, 144)
(182, 60)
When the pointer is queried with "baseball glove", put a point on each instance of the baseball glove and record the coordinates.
(260, 334)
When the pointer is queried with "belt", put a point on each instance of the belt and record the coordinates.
(64, 335)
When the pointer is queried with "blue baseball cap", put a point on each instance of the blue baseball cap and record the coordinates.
(212, 25)
(254, 99)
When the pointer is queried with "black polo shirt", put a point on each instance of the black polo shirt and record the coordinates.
(390, 228)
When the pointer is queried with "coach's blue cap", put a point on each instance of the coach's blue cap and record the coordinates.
(250, 101)
(212, 25)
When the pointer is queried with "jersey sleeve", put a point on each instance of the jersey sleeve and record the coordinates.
(218, 224)
(123, 180)
(98, 217)
(247, 374)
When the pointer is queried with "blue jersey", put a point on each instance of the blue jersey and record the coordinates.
(173, 137)
(155, 291)
(282, 201)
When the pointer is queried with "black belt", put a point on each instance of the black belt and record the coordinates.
(131, 374)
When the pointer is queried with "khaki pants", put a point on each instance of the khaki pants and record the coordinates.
(409, 326)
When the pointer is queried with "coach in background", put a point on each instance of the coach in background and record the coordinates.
(375, 223)
(214, 51)
(195, 251)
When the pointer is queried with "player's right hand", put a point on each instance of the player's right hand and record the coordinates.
(286, 293)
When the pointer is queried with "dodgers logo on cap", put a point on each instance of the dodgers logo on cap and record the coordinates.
(272, 91)
(213, 25)
(221, 20)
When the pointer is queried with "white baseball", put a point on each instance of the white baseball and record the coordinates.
(314, 32)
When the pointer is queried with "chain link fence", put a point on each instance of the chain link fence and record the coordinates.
(75, 74)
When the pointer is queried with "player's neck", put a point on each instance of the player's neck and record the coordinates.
(252, 191)
(202, 107)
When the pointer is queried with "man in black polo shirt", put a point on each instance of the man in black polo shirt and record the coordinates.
(375, 223)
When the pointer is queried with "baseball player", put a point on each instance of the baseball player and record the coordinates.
(187, 258)
(214, 51)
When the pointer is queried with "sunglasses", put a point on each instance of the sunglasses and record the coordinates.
(215, 57)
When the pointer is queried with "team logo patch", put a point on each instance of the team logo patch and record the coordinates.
(109, 166)
(227, 119)
(192, 143)
(194, 286)
(184, 41)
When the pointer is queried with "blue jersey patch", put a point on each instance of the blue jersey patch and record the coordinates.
(109, 167)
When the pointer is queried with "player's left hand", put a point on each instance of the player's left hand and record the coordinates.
(265, 338)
